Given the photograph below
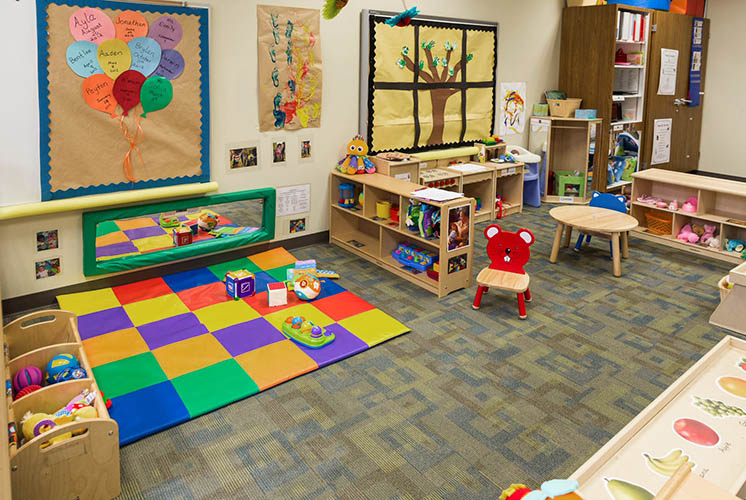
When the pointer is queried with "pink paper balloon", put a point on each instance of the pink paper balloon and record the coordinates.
(91, 24)
(127, 89)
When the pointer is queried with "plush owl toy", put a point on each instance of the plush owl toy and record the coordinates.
(356, 160)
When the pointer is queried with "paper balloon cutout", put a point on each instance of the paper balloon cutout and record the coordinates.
(146, 55)
(130, 24)
(156, 93)
(82, 57)
(166, 31)
(91, 24)
(127, 89)
(114, 57)
(98, 93)
(172, 64)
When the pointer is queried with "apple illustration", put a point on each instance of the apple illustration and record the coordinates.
(696, 432)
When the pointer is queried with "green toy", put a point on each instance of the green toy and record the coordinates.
(168, 221)
(305, 333)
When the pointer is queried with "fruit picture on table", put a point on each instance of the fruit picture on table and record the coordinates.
(696, 432)
(717, 408)
(622, 490)
(666, 466)
(733, 385)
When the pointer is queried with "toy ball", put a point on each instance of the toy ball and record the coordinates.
(59, 363)
(27, 390)
(70, 373)
(207, 222)
(26, 376)
(307, 287)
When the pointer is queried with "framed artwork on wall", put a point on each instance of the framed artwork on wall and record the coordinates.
(242, 156)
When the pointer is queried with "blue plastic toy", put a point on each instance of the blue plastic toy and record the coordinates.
(414, 257)
(347, 195)
(610, 202)
(735, 245)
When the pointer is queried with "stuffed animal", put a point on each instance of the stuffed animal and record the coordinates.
(708, 235)
(735, 245)
(687, 234)
(556, 489)
(356, 160)
(207, 222)
(714, 242)
(690, 206)
(674, 205)
(508, 251)
(698, 229)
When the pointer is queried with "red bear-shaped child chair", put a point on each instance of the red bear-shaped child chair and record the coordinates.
(509, 252)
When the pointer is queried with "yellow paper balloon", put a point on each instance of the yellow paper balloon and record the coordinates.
(114, 57)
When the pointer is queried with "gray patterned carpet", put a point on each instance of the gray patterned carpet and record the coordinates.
(469, 401)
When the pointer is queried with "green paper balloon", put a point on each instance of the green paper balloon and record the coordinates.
(155, 94)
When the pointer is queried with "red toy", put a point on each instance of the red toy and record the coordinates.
(556, 489)
(508, 253)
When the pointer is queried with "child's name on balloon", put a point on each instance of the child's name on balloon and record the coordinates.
(112, 53)
(98, 88)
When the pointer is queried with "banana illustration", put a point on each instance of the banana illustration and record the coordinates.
(667, 465)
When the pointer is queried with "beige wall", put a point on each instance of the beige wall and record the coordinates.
(528, 51)
(723, 134)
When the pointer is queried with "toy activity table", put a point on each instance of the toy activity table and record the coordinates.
(593, 220)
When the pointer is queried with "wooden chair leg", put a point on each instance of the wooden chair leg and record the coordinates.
(527, 295)
(521, 306)
(478, 298)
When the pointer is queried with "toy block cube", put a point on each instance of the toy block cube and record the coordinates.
(240, 284)
(306, 266)
(182, 236)
(277, 294)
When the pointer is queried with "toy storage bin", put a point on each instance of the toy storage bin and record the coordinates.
(83, 466)
(564, 108)
(659, 222)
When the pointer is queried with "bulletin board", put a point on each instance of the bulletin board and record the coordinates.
(96, 58)
(427, 85)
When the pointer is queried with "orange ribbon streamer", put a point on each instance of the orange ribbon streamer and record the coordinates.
(132, 139)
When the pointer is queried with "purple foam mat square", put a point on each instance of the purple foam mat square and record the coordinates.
(116, 249)
(144, 232)
(247, 336)
(345, 345)
(170, 330)
(106, 321)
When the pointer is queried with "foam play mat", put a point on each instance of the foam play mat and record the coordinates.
(135, 236)
(169, 349)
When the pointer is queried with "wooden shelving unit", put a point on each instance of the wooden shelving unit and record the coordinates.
(359, 231)
(720, 203)
(588, 69)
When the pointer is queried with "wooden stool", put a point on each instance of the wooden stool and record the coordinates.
(504, 280)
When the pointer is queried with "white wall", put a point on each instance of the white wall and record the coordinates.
(723, 134)
(528, 51)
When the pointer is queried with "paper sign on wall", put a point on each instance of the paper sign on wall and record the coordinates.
(669, 63)
(293, 200)
(661, 141)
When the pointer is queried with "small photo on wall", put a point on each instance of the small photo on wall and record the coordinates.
(48, 268)
(278, 152)
(458, 227)
(242, 156)
(305, 149)
(47, 240)
(297, 225)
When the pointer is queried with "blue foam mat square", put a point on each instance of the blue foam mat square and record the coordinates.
(189, 279)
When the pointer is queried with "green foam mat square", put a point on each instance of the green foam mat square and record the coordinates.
(219, 270)
(129, 374)
(214, 386)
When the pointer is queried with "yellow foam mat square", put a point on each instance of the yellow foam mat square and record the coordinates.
(154, 242)
(136, 223)
(88, 302)
(225, 314)
(189, 355)
(373, 327)
(147, 311)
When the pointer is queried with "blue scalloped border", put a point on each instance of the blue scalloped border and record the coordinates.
(43, 71)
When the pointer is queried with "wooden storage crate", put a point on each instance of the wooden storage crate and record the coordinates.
(84, 466)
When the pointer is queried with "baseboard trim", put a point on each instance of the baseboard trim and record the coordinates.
(48, 297)
(720, 176)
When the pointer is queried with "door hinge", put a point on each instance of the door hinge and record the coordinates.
(654, 28)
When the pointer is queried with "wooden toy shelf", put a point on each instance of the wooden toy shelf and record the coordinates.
(673, 422)
(361, 232)
(721, 203)
(83, 466)
(509, 185)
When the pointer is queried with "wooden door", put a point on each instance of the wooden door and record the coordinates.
(674, 31)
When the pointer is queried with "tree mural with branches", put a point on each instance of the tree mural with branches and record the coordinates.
(431, 74)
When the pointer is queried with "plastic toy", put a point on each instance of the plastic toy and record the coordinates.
(735, 245)
(404, 18)
(690, 206)
(347, 195)
(394, 213)
(414, 216)
(277, 294)
(414, 257)
(305, 333)
(479, 204)
(167, 221)
(58, 364)
(434, 271)
(556, 489)
(305, 266)
(207, 222)
(34, 424)
(498, 206)
(26, 390)
(306, 286)
(356, 160)
(674, 205)
(687, 234)
(240, 283)
(603, 200)
(27, 376)
(182, 236)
